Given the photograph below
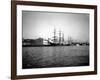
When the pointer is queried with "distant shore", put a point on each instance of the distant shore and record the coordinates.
(50, 45)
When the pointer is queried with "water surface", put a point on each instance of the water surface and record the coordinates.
(59, 56)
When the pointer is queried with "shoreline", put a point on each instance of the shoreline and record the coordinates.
(50, 45)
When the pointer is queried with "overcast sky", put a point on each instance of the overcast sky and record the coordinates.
(42, 24)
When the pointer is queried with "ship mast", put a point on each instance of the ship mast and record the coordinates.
(62, 37)
(59, 36)
(69, 40)
(54, 35)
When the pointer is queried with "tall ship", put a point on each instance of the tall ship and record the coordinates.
(57, 39)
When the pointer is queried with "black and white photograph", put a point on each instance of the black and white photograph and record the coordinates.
(54, 39)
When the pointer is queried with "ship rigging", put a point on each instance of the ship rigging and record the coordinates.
(57, 39)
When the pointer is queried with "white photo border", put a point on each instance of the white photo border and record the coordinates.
(35, 71)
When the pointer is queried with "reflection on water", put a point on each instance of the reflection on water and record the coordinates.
(61, 56)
